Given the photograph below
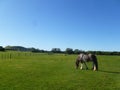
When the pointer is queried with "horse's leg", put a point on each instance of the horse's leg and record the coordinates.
(77, 64)
(95, 64)
(86, 65)
(81, 66)
(94, 68)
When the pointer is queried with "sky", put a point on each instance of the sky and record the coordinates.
(46, 24)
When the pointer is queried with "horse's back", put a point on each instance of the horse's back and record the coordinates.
(83, 57)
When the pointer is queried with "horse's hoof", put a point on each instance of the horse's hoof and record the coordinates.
(81, 68)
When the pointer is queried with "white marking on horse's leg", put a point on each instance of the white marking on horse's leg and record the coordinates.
(94, 68)
(81, 66)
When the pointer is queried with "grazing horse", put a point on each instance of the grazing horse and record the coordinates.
(83, 58)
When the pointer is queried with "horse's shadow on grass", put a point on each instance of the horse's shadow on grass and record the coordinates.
(116, 72)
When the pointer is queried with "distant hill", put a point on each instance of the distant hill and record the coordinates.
(21, 48)
(16, 48)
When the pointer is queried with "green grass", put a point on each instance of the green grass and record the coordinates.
(28, 71)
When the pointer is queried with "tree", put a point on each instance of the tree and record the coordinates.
(69, 51)
(1, 48)
(56, 50)
(77, 51)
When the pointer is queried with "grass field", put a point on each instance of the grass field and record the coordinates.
(28, 71)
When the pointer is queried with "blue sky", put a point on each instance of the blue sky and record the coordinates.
(47, 24)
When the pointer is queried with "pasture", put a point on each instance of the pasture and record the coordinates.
(38, 71)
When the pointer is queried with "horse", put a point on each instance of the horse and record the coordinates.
(83, 58)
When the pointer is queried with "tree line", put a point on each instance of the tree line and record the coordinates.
(57, 50)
